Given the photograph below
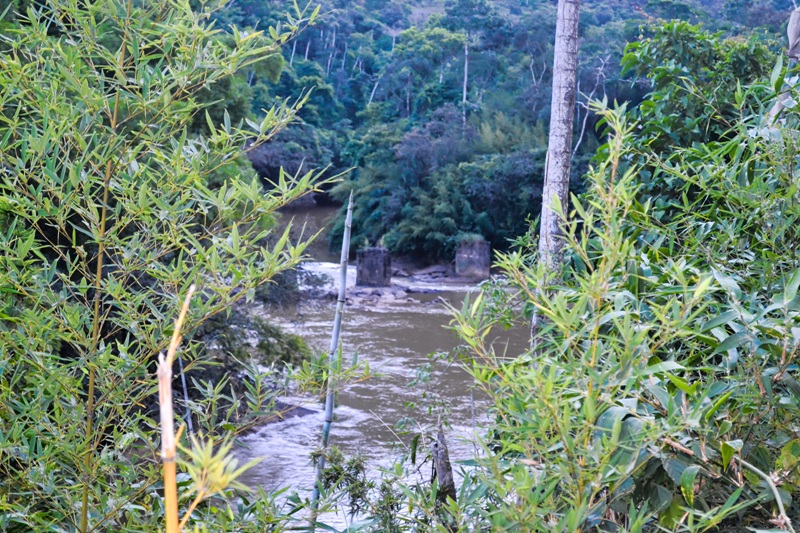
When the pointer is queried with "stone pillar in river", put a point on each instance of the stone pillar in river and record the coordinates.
(473, 258)
(373, 267)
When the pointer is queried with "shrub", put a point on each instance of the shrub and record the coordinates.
(662, 394)
(107, 216)
(663, 391)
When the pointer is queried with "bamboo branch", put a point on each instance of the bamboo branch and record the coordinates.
(96, 321)
(783, 520)
(168, 440)
(331, 389)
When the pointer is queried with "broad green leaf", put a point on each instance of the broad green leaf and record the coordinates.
(729, 449)
(720, 320)
(671, 516)
(728, 283)
(776, 78)
(611, 417)
(730, 342)
(790, 291)
(666, 366)
(683, 385)
(687, 483)
(674, 468)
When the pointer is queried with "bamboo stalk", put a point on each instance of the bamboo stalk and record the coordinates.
(783, 521)
(96, 321)
(330, 386)
(168, 440)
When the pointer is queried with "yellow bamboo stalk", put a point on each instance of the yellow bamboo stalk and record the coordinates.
(168, 440)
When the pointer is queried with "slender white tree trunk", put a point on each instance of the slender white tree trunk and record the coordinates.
(466, 81)
(559, 148)
(408, 95)
(374, 88)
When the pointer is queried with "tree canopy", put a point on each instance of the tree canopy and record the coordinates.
(387, 80)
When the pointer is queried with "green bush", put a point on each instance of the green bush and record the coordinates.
(663, 390)
(693, 75)
(662, 393)
(107, 216)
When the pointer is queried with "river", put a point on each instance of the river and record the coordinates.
(396, 335)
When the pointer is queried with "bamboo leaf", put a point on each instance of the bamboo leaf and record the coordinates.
(687, 483)
(718, 404)
(702, 287)
(790, 292)
(730, 342)
(776, 77)
(728, 450)
(683, 385)
(720, 320)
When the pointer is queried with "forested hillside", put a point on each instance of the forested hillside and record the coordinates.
(441, 107)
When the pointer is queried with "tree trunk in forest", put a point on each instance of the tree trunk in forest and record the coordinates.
(599, 81)
(308, 45)
(331, 59)
(294, 47)
(332, 55)
(408, 95)
(374, 88)
(466, 78)
(559, 148)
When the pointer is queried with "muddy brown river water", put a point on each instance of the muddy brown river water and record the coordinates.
(396, 336)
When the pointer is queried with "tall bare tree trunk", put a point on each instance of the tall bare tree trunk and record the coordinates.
(374, 88)
(408, 95)
(466, 80)
(559, 148)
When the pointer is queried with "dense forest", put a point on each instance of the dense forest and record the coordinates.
(146, 147)
(441, 108)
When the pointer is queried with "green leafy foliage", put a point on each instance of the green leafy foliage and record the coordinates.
(112, 204)
(694, 76)
(662, 387)
(380, 73)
